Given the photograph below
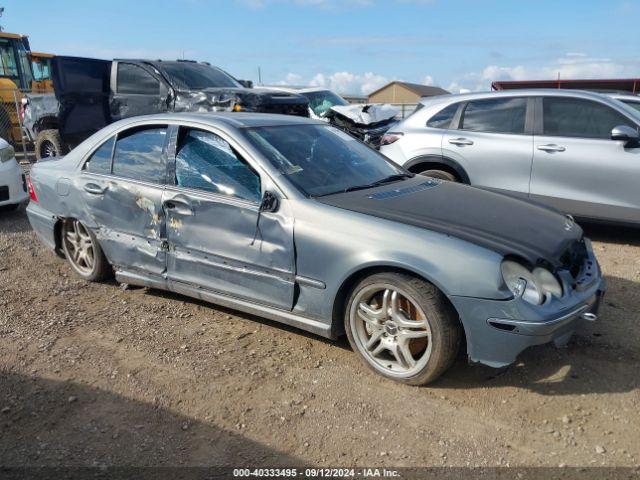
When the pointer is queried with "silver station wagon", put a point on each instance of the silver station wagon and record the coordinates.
(576, 151)
(296, 221)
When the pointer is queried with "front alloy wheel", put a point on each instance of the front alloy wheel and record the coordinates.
(402, 327)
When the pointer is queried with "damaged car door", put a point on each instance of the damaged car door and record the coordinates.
(122, 184)
(218, 237)
(136, 90)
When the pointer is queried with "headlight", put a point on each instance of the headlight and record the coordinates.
(533, 286)
(7, 153)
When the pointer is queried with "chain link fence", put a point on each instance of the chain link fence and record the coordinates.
(11, 124)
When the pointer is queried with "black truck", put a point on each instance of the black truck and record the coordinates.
(92, 93)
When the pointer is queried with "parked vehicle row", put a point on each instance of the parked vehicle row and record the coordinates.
(576, 151)
(297, 221)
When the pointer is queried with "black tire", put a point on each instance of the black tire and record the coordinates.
(445, 328)
(49, 143)
(99, 269)
(10, 208)
(440, 174)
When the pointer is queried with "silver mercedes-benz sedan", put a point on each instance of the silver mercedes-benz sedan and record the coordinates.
(574, 150)
(294, 220)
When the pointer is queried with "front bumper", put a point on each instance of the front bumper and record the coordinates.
(498, 331)
(13, 185)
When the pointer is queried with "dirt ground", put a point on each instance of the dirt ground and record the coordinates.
(95, 375)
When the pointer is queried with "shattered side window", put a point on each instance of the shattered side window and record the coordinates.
(138, 155)
(100, 161)
(207, 162)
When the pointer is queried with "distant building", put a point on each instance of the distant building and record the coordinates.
(403, 92)
(351, 98)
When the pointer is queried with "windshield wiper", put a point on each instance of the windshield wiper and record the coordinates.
(378, 183)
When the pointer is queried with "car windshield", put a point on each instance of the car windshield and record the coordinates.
(198, 76)
(322, 101)
(321, 160)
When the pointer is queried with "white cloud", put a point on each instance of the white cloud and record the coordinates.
(340, 82)
(570, 66)
(428, 80)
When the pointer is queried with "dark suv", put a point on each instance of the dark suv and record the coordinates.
(92, 93)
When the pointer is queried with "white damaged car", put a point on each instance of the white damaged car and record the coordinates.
(13, 183)
(366, 121)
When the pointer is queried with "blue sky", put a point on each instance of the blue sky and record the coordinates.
(352, 46)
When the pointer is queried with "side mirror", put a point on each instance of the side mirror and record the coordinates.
(246, 83)
(270, 202)
(626, 134)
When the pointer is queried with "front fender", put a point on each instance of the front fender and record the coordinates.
(333, 245)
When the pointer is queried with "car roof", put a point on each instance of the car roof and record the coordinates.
(624, 96)
(525, 92)
(232, 119)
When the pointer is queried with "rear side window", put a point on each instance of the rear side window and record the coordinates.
(499, 115)
(575, 117)
(100, 161)
(133, 79)
(138, 155)
(443, 118)
(207, 162)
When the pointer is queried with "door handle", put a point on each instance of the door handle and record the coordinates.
(460, 141)
(179, 206)
(552, 147)
(95, 189)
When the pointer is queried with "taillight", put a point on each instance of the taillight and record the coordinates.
(389, 138)
(32, 191)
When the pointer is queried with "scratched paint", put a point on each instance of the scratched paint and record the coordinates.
(175, 224)
(148, 205)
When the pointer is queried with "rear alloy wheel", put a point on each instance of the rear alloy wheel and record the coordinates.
(83, 251)
(402, 327)
(440, 174)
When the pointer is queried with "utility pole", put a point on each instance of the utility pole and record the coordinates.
(1, 12)
(259, 75)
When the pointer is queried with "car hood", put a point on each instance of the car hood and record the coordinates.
(365, 115)
(502, 223)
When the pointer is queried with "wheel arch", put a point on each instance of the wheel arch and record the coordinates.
(49, 122)
(57, 237)
(342, 294)
(418, 164)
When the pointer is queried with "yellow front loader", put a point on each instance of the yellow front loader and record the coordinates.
(17, 78)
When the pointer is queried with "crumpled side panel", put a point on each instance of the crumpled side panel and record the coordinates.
(202, 101)
(40, 105)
